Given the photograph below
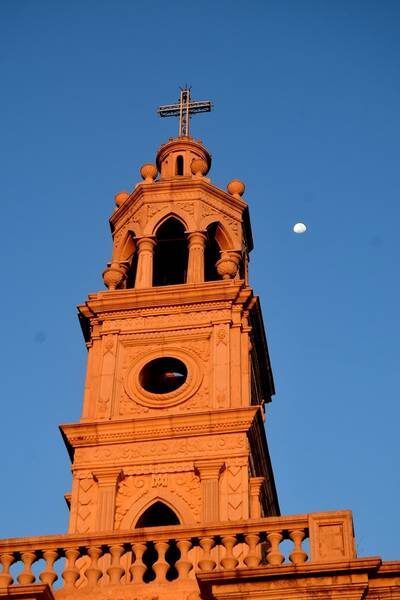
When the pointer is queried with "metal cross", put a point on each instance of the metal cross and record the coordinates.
(184, 109)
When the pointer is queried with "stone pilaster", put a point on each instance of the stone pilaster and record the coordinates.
(209, 478)
(255, 484)
(107, 480)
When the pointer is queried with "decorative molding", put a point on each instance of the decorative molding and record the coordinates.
(169, 309)
(188, 207)
(229, 421)
(141, 321)
(96, 438)
(177, 449)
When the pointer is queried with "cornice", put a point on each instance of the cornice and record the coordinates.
(167, 189)
(160, 427)
(369, 565)
(109, 301)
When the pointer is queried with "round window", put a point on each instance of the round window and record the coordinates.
(163, 375)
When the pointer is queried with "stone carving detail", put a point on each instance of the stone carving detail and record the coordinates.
(208, 210)
(186, 206)
(138, 216)
(139, 452)
(233, 225)
(153, 209)
(235, 492)
(222, 310)
(155, 322)
(200, 400)
(130, 490)
(222, 337)
(108, 344)
(159, 480)
(186, 485)
(202, 348)
(119, 235)
(86, 505)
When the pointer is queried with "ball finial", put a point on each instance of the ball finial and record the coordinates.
(199, 167)
(236, 188)
(148, 172)
(121, 197)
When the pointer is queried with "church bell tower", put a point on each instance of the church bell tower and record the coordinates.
(173, 493)
(172, 427)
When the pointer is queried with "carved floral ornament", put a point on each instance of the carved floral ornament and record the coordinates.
(139, 394)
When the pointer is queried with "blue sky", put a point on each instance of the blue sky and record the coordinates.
(306, 99)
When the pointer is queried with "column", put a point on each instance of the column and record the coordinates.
(255, 496)
(144, 273)
(107, 480)
(197, 242)
(209, 479)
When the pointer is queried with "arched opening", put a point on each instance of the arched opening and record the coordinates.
(211, 254)
(159, 515)
(131, 275)
(179, 165)
(171, 254)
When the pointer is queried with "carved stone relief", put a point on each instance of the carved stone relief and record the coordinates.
(179, 309)
(169, 449)
(132, 490)
(87, 503)
(186, 206)
(156, 322)
(234, 489)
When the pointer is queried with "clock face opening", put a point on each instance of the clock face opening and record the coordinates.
(163, 375)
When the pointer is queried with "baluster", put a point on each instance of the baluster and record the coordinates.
(6, 559)
(93, 573)
(184, 565)
(161, 566)
(26, 577)
(115, 570)
(71, 573)
(253, 557)
(274, 556)
(297, 556)
(138, 568)
(229, 561)
(49, 575)
(206, 563)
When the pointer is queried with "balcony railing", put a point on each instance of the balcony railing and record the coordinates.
(167, 554)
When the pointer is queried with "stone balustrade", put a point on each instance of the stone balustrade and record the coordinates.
(163, 554)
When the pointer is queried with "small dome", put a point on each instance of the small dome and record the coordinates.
(174, 159)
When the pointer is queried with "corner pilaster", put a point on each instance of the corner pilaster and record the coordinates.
(107, 480)
(209, 479)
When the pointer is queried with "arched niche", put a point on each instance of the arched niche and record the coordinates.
(173, 502)
(218, 240)
(125, 252)
(157, 514)
(159, 218)
(170, 253)
(179, 165)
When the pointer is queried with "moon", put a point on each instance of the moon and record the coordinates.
(299, 228)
